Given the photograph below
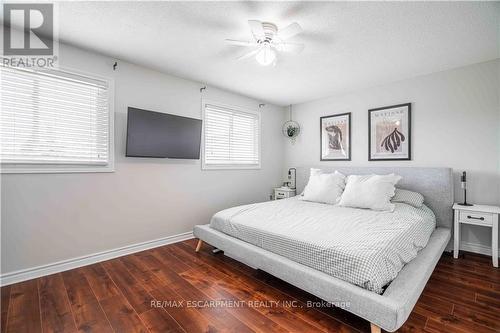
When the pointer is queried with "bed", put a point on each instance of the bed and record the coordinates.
(332, 268)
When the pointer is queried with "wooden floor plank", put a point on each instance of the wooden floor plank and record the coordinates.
(87, 312)
(5, 296)
(141, 273)
(55, 308)
(452, 323)
(99, 281)
(488, 270)
(171, 262)
(482, 272)
(155, 319)
(137, 296)
(90, 317)
(448, 291)
(77, 287)
(121, 315)
(190, 319)
(433, 307)
(468, 281)
(477, 317)
(159, 321)
(24, 311)
(490, 300)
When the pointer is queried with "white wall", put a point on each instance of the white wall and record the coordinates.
(53, 217)
(456, 123)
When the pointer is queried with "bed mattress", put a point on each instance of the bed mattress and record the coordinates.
(363, 247)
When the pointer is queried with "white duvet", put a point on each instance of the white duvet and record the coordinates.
(364, 247)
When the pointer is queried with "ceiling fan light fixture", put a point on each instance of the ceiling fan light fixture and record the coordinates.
(266, 55)
(268, 40)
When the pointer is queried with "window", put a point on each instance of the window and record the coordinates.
(54, 121)
(231, 137)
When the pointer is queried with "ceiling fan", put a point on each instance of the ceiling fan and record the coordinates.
(268, 40)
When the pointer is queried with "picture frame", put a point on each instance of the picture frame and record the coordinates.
(389, 133)
(335, 137)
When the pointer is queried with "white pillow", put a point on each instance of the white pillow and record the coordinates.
(324, 187)
(370, 191)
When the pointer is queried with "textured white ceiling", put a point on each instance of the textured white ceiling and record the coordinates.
(349, 45)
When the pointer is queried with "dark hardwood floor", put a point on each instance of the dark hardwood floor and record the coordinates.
(129, 294)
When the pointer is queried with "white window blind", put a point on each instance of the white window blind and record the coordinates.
(231, 138)
(53, 118)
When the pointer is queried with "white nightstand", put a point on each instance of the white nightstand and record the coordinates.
(478, 215)
(283, 193)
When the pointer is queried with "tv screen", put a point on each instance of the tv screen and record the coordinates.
(156, 134)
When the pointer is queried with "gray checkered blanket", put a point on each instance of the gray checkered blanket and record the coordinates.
(364, 247)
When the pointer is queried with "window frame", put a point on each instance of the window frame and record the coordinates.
(235, 166)
(13, 168)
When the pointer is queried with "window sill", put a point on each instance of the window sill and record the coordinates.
(231, 167)
(55, 169)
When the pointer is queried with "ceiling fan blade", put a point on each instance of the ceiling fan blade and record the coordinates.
(248, 54)
(240, 42)
(289, 31)
(290, 47)
(257, 29)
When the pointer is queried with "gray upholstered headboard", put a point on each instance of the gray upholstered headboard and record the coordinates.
(435, 184)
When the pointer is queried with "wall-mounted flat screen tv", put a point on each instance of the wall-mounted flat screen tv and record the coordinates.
(162, 135)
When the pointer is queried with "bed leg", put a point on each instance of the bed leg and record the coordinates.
(198, 246)
(375, 328)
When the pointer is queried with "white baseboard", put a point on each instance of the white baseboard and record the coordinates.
(60, 266)
(476, 248)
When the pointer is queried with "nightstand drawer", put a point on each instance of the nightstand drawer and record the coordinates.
(476, 218)
(280, 193)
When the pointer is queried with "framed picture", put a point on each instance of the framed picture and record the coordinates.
(389, 133)
(335, 137)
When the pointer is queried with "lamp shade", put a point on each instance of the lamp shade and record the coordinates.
(266, 55)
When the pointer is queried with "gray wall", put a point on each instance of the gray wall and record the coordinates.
(456, 123)
(52, 217)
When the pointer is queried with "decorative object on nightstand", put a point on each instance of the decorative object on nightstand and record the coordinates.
(292, 178)
(463, 182)
(283, 192)
(477, 215)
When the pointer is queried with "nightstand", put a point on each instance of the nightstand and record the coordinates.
(482, 215)
(283, 193)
